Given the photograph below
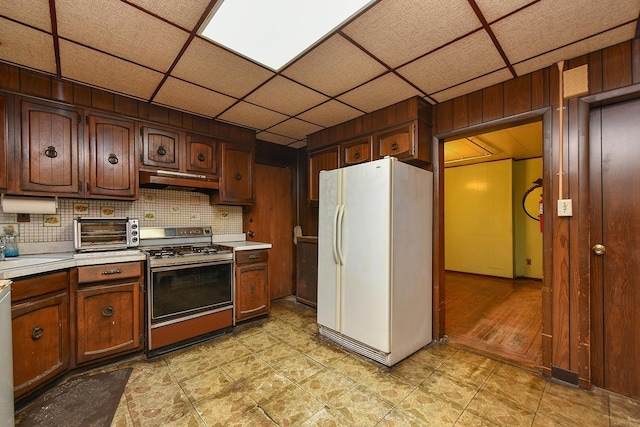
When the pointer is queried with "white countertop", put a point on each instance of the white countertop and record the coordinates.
(26, 265)
(245, 245)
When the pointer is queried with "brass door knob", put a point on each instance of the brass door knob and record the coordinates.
(598, 249)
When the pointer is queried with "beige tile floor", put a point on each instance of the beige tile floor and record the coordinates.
(278, 371)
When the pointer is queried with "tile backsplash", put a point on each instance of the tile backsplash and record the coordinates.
(155, 208)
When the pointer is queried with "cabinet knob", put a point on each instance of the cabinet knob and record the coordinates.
(251, 233)
(394, 146)
(356, 155)
(36, 333)
(51, 152)
(161, 151)
(107, 311)
(113, 159)
(201, 157)
(238, 176)
(112, 271)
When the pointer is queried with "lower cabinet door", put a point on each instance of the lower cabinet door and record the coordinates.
(252, 290)
(108, 321)
(40, 341)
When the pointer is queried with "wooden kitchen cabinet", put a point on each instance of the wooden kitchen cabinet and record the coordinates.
(51, 136)
(40, 328)
(112, 158)
(109, 307)
(252, 284)
(4, 143)
(307, 270)
(356, 151)
(406, 142)
(326, 159)
(161, 147)
(202, 155)
(236, 180)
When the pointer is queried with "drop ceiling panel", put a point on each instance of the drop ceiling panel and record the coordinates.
(609, 38)
(466, 59)
(31, 12)
(473, 85)
(330, 113)
(185, 96)
(334, 66)
(294, 128)
(298, 144)
(98, 69)
(252, 116)
(275, 138)
(492, 9)
(379, 93)
(27, 47)
(121, 30)
(185, 13)
(286, 96)
(208, 65)
(550, 24)
(397, 31)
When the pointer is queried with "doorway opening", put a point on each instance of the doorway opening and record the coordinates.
(493, 242)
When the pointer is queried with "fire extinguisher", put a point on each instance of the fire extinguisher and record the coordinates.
(540, 211)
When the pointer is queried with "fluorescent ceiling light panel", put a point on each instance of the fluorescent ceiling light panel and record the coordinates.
(276, 31)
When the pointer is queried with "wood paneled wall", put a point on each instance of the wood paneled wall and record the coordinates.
(566, 319)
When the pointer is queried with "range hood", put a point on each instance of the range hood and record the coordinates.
(170, 180)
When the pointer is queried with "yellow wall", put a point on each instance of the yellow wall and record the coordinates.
(478, 213)
(528, 239)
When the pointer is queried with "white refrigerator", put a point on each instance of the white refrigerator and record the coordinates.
(375, 258)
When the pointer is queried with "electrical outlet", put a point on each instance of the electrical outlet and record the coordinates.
(564, 207)
(528, 261)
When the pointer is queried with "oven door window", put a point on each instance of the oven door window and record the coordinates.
(178, 291)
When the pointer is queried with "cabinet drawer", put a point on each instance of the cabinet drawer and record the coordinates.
(249, 257)
(104, 272)
(39, 285)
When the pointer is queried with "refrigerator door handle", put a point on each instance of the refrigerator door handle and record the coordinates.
(339, 233)
(335, 235)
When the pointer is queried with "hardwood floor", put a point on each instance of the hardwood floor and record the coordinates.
(501, 317)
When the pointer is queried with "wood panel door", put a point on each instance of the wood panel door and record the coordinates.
(615, 224)
(236, 186)
(270, 220)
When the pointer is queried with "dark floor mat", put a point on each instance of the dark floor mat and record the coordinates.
(87, 400)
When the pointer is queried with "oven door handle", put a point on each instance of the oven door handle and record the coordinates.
(173, 267)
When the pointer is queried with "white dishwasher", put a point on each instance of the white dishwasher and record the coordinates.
(6, 356)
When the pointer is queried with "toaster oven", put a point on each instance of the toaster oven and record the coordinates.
(102, 234)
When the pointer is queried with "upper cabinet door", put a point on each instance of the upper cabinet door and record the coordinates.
(356, 151)
(326, 159)
(50, 161)
(161, 148)
(112, 157)
(202, 155)
(236, 183)
(4, 143)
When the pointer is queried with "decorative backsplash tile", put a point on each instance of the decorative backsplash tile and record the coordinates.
(155, 208)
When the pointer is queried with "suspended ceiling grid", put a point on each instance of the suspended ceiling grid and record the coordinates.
(394, 49)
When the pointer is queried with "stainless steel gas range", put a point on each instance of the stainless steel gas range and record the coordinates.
(189, 287)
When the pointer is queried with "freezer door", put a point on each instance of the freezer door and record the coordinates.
(366, 246)
(329, 268)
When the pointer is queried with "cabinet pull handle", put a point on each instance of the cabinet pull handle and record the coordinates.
(161, 151)
(113, 159)
(357, 155)
(114, 271)
(238, 176)
(201, 157)
(51, 152)
(107, 311)
(252, 310)
(253, 256)
(394, 146)
(36, 333)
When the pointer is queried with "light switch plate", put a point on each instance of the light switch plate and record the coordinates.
(564, 207)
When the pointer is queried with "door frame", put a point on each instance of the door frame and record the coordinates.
(546, 116)
(586, 303)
